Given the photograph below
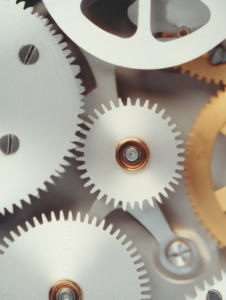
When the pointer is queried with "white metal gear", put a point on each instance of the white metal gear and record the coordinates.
(108, 131)
(219, 287)
(40, 104)
(66, 249)
(142, 50)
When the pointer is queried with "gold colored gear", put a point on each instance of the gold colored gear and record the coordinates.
(209, 205)
(204, 69)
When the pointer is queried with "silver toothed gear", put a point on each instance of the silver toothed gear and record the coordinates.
(217, 291)
(154, 146)
(40, 103)
(71, 250)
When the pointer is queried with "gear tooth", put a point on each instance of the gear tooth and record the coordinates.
(70, 216)
(173, 180)
(172, 127)
(167, 120)
(116, 203)
(85, 175)
(141, 204)
(214, 238)
(129, 102)
(161, 113)
(179, 167)
(180, 150)
(120, 102)
(146, 104)
(94, 189)
(142, 273)
(86, 219)
(198, 216)
(176, 175)
(157, 197)
(223, 274)
(7, 242)
(209, 232)
(124, 204)
(104, 108)
(198, 290)
(78, 217)
(88, 124)
(145, 288)
(154, 107)
(29, 10)
(100, 195)
(188, 298)
(144, 280)
(21, 4)
(164, 193)
(36, 222)
(121, 240)
(194, 208)
(109, 228)
(28, 225)
(112, 105)
(92, 118)
(132, 251)
(71, 59)
(221, 245)
(177, 133)
(75, 69)
(20, 229)
(102, 223)
(108, 200)
(189, 194)
(53, 216)
(169, 187)
(81, 158)
(131, 204)
(97, 113)
(116, 233)
(207, 79)
(143, 297)
(88, 183)
(215, 280)
(140, 265)
(13, 235)
(81, 89)
(137, 102)
(179, 142)
(62, 218)
(94, 221)
(128, 244)
(203, 224)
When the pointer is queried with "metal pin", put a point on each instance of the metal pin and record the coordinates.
(9, 144)
(213, 295)
(29, 54)
(179, 253)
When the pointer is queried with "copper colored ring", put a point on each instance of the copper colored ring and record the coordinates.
(144, 155)
(65, 284)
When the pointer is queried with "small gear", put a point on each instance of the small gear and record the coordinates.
(40, 103)
(209, 205)
(66, 257)
(217, 291)
(131, 153)
(204, 69)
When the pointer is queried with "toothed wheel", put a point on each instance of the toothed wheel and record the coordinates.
(204, 69)
(216, 291)
(134, 52)
(131, 153)
(40, 102)
(70, 257)
(209, 205)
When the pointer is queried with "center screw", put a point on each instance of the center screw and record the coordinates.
(179, 253)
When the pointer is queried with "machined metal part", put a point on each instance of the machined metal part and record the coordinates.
(213, 295)
(113, 127)
(9, 143)
(41, 108)
(114, 49)
(183, 31)
(29, 54)
(101, 265)
(65, 290)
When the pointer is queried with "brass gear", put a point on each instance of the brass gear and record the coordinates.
(209, 205)
(202, 67)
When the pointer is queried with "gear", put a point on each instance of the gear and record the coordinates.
(40, 103)
(216, 291)
(210, 205)
(204, 69)
(70, 255)
(131, 153)
(134, 52)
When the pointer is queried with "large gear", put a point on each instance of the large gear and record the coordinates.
(82, 253)
(203, 68)
(40, 104)
(216, 291)
(208, 204)
(142, 50)
(131, 123)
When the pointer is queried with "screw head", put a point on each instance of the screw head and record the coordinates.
(216, 55)
(132, 154)
(66, 294)
(29, 54)
(213, 295)
(183, 31)
(179, 253)
(9, 143)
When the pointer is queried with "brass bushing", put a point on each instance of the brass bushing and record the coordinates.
(65, 289)
(132, 154)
